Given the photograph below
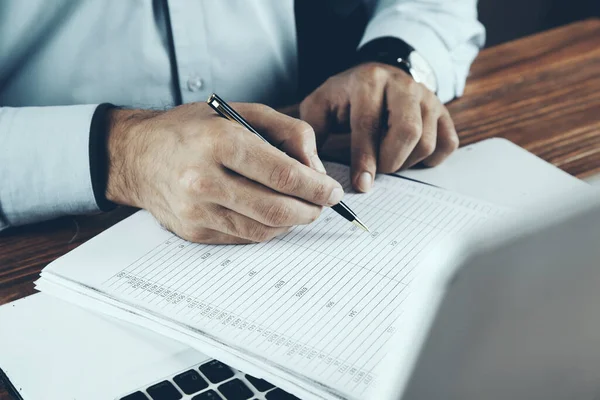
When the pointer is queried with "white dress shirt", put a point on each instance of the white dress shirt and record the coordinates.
(60, 59)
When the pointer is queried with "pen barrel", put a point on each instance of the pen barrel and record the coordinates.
(225, 110)
(344, 211)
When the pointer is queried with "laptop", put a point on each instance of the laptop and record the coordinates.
(50, 349)
(514, 315)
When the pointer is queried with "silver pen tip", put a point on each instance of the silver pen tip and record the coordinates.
(361, 225)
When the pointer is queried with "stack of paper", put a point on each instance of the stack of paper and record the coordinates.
(311, 311)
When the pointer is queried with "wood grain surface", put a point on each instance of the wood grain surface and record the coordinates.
(541, 92)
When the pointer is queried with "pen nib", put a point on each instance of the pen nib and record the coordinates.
(361, 225)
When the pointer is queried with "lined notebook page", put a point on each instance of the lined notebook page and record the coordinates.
(321, 300)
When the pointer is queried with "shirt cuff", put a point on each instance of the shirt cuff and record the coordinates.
(45, 163)
(426, 42)
(99, 156)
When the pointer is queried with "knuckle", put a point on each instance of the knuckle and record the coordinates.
(265, 108)
(306, 106)
(431, 108)
(452, 143)
(414, 87)
(449, 140)
(190, 180)
(302, 134)
(431, 100)
(304, 130)
(313, 99)
(321, 92)
(427, 146)
(285, 177)
(313, 216)
(375, 72)
(317, 100)
(227, 222)
(196, 235)
(321, 193)
(260, 108)
(278, 214)
(196, 183)
(412, 130)
(259, 233)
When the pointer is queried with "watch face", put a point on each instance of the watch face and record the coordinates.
(422, 71)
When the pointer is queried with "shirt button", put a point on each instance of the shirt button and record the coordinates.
(194, 83)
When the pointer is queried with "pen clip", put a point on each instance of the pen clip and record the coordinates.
(221, 107)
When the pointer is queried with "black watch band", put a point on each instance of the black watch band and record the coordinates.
(387, 50)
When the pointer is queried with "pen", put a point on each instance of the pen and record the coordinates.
(225, 111)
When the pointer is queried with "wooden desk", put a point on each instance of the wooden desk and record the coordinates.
(541, 92)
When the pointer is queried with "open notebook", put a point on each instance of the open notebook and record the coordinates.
(311, 310)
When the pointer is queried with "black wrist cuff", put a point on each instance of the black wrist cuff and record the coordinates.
(99, 156)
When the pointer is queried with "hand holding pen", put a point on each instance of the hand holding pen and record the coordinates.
(224, 110)
(210, 180)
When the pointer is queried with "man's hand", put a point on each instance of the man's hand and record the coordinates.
(394, 122)
(211, 181)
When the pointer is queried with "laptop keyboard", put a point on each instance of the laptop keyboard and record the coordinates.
(211, 380)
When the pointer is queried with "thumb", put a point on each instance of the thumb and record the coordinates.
(293, 136)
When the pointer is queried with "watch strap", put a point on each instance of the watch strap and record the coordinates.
(387, 50)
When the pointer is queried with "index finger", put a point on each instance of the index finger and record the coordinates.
(366, 126)
(249, 156)
(294, 136)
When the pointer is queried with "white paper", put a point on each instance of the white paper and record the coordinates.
(318, 303)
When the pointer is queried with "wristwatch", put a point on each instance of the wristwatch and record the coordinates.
(396, 52)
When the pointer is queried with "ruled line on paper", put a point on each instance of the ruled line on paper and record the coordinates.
(322, 299)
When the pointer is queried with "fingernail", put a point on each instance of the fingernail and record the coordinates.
(335, 196)
(317, 164)
(365, 180)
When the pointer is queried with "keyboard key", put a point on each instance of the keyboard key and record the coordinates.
(279, 394)
(216, 371)
(190, 382)
(260, 384)
(164, 391)
(235, 389)
(208, 395)
(135, 396)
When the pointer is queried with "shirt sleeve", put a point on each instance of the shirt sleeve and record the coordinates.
(45, 163)
(445, 32)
